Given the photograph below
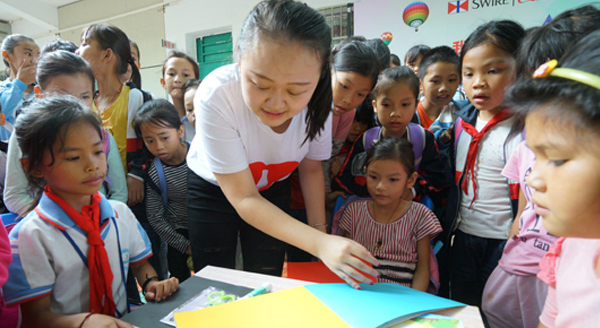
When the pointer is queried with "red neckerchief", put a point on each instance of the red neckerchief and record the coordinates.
(101, 276)
(426, 121)
(472, 154)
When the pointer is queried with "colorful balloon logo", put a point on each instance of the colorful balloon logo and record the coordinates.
(387, 37)
(415, 14)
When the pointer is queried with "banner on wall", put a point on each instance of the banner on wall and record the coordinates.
(443, 22)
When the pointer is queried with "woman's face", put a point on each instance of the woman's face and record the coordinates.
(278, 80)
(93, 54)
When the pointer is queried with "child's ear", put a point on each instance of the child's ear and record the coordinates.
(181, 131)
(374, 103)
(412, 179)
(5, 55)
(37, 173)
(162, 82)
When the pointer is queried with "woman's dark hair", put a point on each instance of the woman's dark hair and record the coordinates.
(441, 54)
(394, 59)
(550, 41)
(414, 52)
(356, 56)
(190, 84)
(159, 112)
(382, 51)
(505, 35)
(179, 54)
(58, 44)
(109, 36)
(565, 100)
(400, 74)
(61, 62)
(45, 122)
(397, 149)
(285, 22)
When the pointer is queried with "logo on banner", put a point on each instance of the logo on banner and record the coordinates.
(457, 7)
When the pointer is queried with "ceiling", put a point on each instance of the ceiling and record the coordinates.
(39, 12)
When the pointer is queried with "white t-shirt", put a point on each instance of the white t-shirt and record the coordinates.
(491, 214)
(233, 138)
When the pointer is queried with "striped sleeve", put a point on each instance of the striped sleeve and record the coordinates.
(348, 218)
(427, 224)
(176, 215)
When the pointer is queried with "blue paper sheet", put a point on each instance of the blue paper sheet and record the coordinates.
(379, 305)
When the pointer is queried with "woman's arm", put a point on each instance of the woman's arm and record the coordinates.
(312, 185)
(421, 277)
(36, 313)
(341, 255)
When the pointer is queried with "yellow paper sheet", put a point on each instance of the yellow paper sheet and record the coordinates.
(296, 307)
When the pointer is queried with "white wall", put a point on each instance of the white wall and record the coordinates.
(186, 20)
(373, 17)
(142, 21)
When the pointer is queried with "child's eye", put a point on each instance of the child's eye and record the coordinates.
(343, 85)
(435, 81)
(393, 179)
(558, 163)
(452, 80)
(98, 152)
(171, 74)
(362, 95)
(467, 75)
(371, 176)
(405, 104)
(149, 141)
(73, 158)
(28, 53)
(165, 138)
(494, 71)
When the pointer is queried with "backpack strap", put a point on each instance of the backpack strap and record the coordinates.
(416, 134)
(371, 135)
(163, 182)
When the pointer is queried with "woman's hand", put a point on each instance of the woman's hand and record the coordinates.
(160, 290)
(345, 257)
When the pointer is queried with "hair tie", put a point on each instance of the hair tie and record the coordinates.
(131, 61)
(549, 69)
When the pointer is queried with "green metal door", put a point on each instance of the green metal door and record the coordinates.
(214, 51)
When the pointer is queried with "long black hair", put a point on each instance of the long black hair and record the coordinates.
(109, 36)
(288, 21)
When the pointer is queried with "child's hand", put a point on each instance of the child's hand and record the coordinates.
(446, 136)
(104, 321)
(26, 72)
(331, 197)
(159, 290)
(135, 191)
(344, 256)
(335, 168)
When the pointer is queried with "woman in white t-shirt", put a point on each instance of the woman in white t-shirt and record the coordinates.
(258, 120)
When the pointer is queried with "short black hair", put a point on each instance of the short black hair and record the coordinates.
(394, 59)
(58, 44)
(414, 52)
(442, 54)
(400, 74)
(159, 112)
(179, 54)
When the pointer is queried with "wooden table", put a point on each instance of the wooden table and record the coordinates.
(469, 314)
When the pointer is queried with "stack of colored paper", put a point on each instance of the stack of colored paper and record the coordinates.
(320, 305)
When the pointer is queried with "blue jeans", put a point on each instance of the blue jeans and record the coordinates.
(472, 260)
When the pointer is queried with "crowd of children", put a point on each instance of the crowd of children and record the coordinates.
(457, 173)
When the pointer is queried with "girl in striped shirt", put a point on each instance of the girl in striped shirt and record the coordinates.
(157, 122)
(395, 230)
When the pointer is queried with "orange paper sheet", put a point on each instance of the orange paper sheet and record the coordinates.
(295, 307)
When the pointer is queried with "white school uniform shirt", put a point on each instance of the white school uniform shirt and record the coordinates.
(46, 263)
(233, 138)
(491, 214)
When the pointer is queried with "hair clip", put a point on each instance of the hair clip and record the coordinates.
(549, 69)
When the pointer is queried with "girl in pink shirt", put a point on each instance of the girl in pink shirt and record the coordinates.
(563, 131)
